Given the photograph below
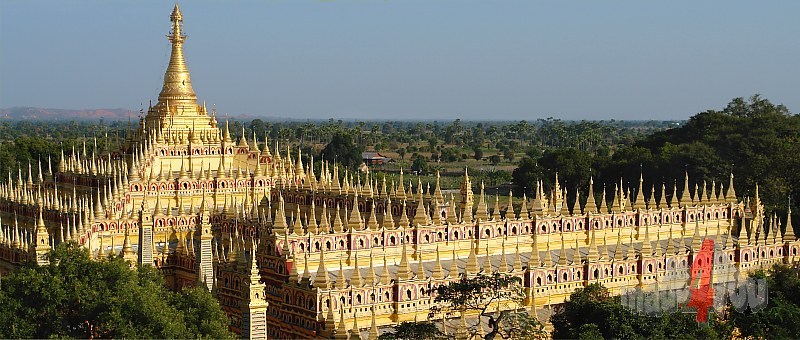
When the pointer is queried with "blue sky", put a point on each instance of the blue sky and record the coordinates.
(408, 59)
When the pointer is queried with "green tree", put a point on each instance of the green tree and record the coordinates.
(508, 154)
(432, 143)
(342, 149)
(77, 297)
(449, 155)
(477, 152)
(419, 164)
(783, 304)
(494, 159)
(423, 330)
(480, 295)
(258, 126)
(592, 313)
(571, 165)
(202, 313)
(754, 138)
(526, 174)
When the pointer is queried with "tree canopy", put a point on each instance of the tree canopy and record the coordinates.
(754, 139)
(476, 297)
(592, 313)
(77, 297)
(777, 320)
(342, 149)
(423, 330)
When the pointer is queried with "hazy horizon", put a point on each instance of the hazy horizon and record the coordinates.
(407, 60)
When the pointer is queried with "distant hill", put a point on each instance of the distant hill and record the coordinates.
(36, 113)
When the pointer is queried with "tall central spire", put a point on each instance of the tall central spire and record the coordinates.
(177, 90)
(177, 110)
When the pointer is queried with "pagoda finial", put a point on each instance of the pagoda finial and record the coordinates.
(591, 205)
(730, 196)
(788, 234)
(177, 82)
(685, 198)
(638, 202)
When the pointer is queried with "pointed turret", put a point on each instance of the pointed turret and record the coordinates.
(618, 256)
(483, 210)
(603, 204)
(373, 328)
(324, 225)
(730, 196)
(371, 278)
(593, 254)
(341, 329)
(638, 202)
(388, 221)
(421, 269)
(127, 250)
(438, 192)
(321, 281)
(420, 216)
(453, 270)
(562, 254)
(177, 83)
(297, 226)
(776, 231)
(280, 225)
(243, 140)
(647, 247)
(616, 201)
(523, 210)
(386, 277)
(487, 266)
(503, 266)
(534, 260)
(338, 226)
(438, 271)
(451, 211)
(466, 198)
(788, 234)
(576, 254)
(472, 266)
(670, 250)
(42, 243)
(404, 270)
(704, 193)
(697, 239)
(729, 244)
(496, 210)
(98, 208)
(510, 215)
(404, 222)
(548, 254)
(401, 189)
(372, 223)
(685, 199)
(673, 201)
(355, 276)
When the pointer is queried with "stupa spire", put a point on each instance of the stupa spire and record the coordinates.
(177, 83)
(788, 235)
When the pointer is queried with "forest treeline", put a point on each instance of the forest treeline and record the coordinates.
(24, 141)
(756, 140)
(752, 138)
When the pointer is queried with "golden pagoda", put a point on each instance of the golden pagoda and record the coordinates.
(293, 252)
